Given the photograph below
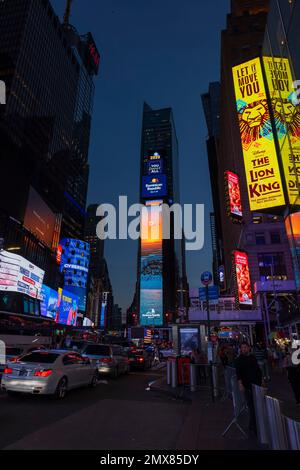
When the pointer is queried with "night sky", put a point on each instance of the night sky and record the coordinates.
(164, 52)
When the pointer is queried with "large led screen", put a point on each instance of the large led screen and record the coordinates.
(154, 186)
(233, 195)
(39, 219)
(286, 112)
(151, 277)
(17, 274)
(67, 308)
(49, 302)
(242, 279)
(264, 182)
(75, 256)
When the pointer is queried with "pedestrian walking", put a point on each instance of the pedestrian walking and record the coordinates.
(248, 373)
(293, 374)
(261, 355)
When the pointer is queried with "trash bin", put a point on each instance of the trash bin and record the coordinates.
(183, 366)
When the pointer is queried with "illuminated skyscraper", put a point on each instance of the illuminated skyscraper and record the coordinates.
(49, 70)
(162, 284)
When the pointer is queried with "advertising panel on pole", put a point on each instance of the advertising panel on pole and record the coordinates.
(264, 181)
(286, 111)
(17, 274)
(233, 196)
(244, 295)
(151, 277)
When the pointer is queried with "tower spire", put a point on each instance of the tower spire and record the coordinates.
(67, 12)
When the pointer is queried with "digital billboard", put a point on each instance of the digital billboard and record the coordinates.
(155, 167)
(75, 256)
(292, 224)
(154, 186)
(17, 274)
(67, 308)
(151, 276)
(242, 279)
(81, 294)
(233, 195)
(39, 219)
(49, 302)
(264, 182)
(286, 111)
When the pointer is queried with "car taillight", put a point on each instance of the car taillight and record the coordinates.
(43, 373)
(141, 359)
(8, 370)
(14, 359)
(106, 359)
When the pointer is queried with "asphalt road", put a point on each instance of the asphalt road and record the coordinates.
(120, 414)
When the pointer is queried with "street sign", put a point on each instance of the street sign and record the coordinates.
(206, 278)
(213, 293)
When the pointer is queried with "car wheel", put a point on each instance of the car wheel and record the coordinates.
(115, 374)
(61, 389)
(94, 381)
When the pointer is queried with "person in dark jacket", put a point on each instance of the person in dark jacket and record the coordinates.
(248, 373)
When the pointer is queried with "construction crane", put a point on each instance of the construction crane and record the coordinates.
(67, 14)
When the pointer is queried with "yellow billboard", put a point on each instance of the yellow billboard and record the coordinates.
(286, 112)
(264, 182)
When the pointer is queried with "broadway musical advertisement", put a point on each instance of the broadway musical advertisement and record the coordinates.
(244, 295)
(260, 159)
(286, 112)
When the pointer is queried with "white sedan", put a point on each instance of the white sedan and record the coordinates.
(49, 372)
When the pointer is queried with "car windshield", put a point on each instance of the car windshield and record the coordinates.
(97, 350)
(40, 357)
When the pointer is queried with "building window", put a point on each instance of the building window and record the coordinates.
(249, 238)
(272, 266)
(257, 219)
(275, 238)
(260, 238)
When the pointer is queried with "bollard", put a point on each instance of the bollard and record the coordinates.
(193, 379)
(174, 378)
(215, 381)
(169, 364)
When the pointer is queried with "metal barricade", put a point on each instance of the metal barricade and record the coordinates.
(293, 433)
(276, 423)
(229, 372)
(174, 377)
(263, 432)
(239, 407)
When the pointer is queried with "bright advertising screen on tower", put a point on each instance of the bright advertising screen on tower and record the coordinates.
(242, 279)
(151, 277)
(233, 195)
(154, 186)
(264, 182)
(286, 112)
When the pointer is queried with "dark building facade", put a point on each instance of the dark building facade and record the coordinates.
(45, 125)
(162, 284)
(100, 292)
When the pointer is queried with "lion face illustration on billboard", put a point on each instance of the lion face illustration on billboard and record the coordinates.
(287, 116)
(254, 120)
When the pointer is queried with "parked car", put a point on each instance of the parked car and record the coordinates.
(140, 359)
(77, 345)
(49, 372)
(109, 359)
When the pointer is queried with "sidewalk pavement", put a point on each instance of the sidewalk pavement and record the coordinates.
(206, 422)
